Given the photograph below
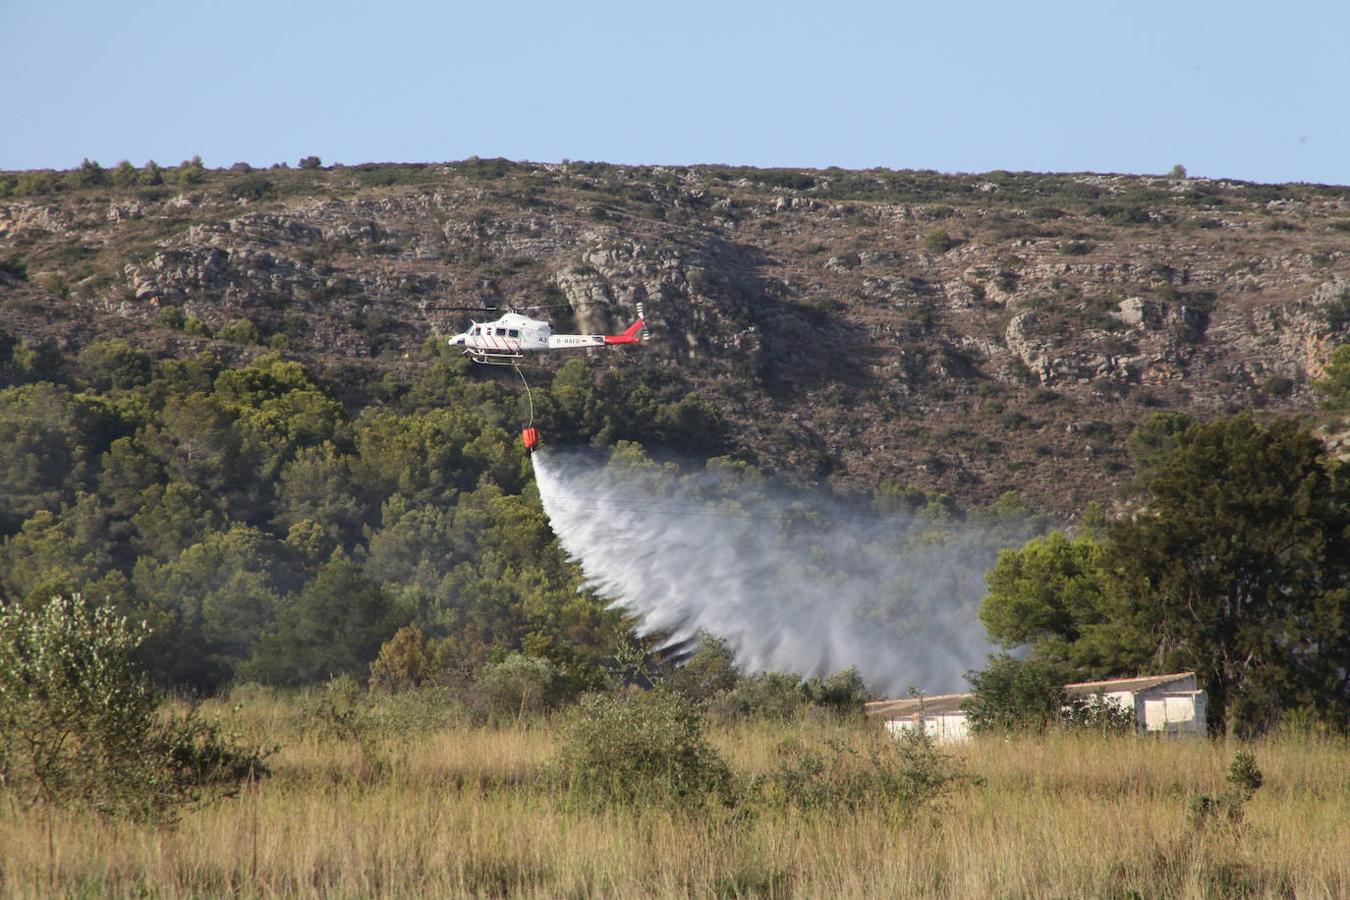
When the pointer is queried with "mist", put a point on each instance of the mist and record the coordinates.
(793, 580)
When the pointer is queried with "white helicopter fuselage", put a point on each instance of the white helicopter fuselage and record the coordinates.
(513, 335)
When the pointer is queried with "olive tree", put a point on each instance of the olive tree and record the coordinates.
(79, 724)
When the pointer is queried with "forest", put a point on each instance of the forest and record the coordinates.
(267, 532)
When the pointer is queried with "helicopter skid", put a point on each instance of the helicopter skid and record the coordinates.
(494, 359)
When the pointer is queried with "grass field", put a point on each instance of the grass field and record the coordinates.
(453, 810)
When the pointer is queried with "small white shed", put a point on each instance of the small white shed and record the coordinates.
(940, 716)
(1163, 704)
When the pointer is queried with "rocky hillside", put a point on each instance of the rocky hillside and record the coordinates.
(972, 334)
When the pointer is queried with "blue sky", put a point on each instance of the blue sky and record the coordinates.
(1257, 91)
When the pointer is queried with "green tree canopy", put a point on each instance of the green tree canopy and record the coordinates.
(1241, 563)
(334, 626)
(1055, 595)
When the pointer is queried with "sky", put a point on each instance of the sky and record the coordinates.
(1258, 91)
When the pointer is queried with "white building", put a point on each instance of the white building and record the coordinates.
(940, 716)
(1163, 705)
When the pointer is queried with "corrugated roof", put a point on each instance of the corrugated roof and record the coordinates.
(1124, 684)
(894, 709)
(947, 703)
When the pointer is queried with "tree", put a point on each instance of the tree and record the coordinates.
(709, 671)
(79, 725)
(1152, 442)
(152, 174)
(125, 175)
(212, 603)
(114, 364)
(518, 686)
(405, 662)
(310, 162)
(1241, 565)
(1015, 695)
(1054, 594)
(89, 174)
(335, 626)
(1335, 383)
(191, 171)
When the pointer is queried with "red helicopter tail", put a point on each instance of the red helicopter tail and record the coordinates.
(634, 333)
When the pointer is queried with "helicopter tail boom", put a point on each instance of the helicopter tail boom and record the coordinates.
(631, 336)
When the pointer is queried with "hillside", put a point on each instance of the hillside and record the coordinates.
(971, 334)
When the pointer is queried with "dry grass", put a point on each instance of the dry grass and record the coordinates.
(465, 812)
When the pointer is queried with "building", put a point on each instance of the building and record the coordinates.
(1168, 705)
(940, 716)
(1162, 704)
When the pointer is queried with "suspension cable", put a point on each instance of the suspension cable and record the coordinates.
(528, 395)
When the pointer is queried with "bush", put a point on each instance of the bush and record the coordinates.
(170, 316)
(772, 696)
(709, 671)
(938, 241)
(1015, 695)
(644, 748)
(310, 162)
(405, 662)
(905, 771)
(79, 725)
(15, 268)
(517, 687)
(1244, 779)
(1096, 713)
(842, 693)
(239, 331)
(191, 171)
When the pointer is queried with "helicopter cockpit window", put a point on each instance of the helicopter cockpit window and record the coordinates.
(514, 332)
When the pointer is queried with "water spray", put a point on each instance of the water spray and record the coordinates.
(793, 581)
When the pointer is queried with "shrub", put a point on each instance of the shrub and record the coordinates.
(1076, 248)
(405, 662)
(310, 162)
(905, 771)
(643, 748)
(239, 331)
(253, 187)
(170, 316)
(1244, 779)
(79, 725)
(709, 671)
(842, 693)
(15, 268)
(772, 696)
(1014, 695)
(1096, 713)
(517, 687)
(938, 241)
(191, 171)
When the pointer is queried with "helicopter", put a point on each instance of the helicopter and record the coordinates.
(505, 342)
